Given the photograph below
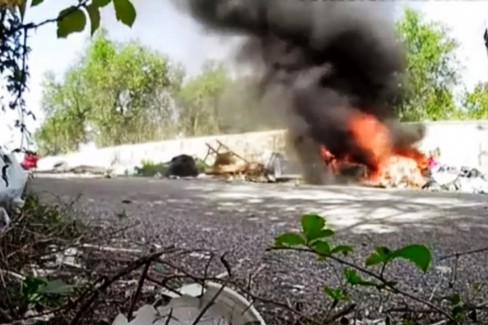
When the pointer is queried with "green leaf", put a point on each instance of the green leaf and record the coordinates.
(419, 255)
(57, 287)
(336, 294)
(353, 278)
(125, 12)
(457, 312)
(36, 2)
(380, 255)
(32, 285)
(344, 249)
(289, 239)
(159, 268)
(454, 299)
(312, 226)
(321, 247)
(100, 3)
(326, 233)
(70, 20)
(94, 14)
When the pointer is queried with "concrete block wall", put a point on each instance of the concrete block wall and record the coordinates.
(255, 146)
(461, 143)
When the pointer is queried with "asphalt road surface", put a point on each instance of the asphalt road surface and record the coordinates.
(243, 218)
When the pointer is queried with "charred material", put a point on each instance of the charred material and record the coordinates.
(182, 166)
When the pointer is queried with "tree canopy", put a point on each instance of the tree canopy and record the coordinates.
(432, 69)
(109, 96)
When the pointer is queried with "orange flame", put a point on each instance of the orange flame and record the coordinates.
(374, 138)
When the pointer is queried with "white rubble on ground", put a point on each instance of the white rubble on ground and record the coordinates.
(228, 308)
(460, 179)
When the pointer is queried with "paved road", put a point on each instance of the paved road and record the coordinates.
(244, 218)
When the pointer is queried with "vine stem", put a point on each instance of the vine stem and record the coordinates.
(380, 278)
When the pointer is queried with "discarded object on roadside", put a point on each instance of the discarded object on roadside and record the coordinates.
(12, 181)
(213, 305)
(231, 165)
(30, 160)
(4, 219)
(279, 168)
(182, 166)
(464, 179)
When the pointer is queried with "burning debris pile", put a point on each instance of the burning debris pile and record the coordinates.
(334, 71)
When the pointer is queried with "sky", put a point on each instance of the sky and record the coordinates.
(162, 27)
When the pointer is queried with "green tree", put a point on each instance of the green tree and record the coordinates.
(476, 102)
(433, 70)
(199, 100)
(131, 88)
(66, 112)
(121, 93)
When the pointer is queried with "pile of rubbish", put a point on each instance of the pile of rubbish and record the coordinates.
(464, 179)
(226, 163)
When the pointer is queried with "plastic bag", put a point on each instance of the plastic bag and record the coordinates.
(12, 181)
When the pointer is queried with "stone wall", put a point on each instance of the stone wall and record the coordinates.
(460, 142)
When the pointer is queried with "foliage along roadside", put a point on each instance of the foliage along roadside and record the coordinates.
(316, 237)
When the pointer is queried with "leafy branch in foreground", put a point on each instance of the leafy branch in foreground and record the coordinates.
(316, 237)
(14, 49)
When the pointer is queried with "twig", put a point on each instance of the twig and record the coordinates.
(440, 323)
(434, 290)
(345, 311)
(13, 274)
(112, 249)
(411, 310)
(61, 16)
(164, 283)
(205, 271)
(209, 304)
(459, 254)
(138, 290)
(107, 282)
(170, 317)
(226, 265)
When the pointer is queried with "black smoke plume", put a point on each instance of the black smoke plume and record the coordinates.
(321, 61)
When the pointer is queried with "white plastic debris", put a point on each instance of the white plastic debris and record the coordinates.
(4, 219)
(146, 315)
(12, 180)
(443, 176)
(228, 308)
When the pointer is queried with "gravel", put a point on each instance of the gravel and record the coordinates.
(243, 218)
